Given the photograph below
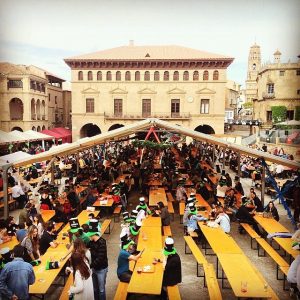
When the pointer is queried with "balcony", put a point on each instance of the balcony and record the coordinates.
(266, 95)
(33, 116)
(43, 117)
(141, 116)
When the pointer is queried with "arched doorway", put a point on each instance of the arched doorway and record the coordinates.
(43, 128)
(115, 126)
(17, 128)
(205, 129)
(38, 129)
(16, 109)
(33, 128)
(89, 130)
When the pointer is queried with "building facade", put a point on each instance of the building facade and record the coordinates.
(115, 87)
(29, 98)
(278, 84)
(232, 100)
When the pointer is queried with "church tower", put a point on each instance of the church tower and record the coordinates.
(254, 64)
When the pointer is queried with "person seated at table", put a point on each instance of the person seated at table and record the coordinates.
(18, 195)
(238, 186)
(273, 210)
(181, 194)
(11, 226)
(223, 220)
(256, 201)
(291, 277)
(21, 232)
(134, 229)
(193, 218)
(143, 206)
(164, 214)
(126, 254)
(222, 187)
(31, 244)
(172, 271)
(230, 198)
(48, 238)
(45, 200)
(4, 237)
(74, 200)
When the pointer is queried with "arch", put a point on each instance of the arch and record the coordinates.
(32, 105)
(108, 75)
(90, 75)
(118, 76)
(16, 109)
(99, 75)
(80, 75)
(43, 127)
(17, 128)
(38, 128)
(127, 76)
(196, 76)
(176, 76)
(38, 109)
(216, 75)
(205, 129)
(166, 76)
(147, 76)
(43, 110)
(115, 126)
(156, 76)
(205, 75)
(89, 130)
(33, 128)
(137, 76)
(186, 75)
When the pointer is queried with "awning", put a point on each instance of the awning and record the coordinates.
(65, 133)
(35, 135)
(13, 157)
(56, 135)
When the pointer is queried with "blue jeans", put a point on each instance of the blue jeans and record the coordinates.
(101, 278)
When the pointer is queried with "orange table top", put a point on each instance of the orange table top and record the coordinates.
(286, 245)
(270, 225)
(150, 238)
(156, 195)
(47, 214)
(104, 203)
(152, 222)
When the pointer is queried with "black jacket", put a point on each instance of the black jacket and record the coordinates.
(172, 273)
(99, 254)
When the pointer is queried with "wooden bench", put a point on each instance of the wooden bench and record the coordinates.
(167, 231)
(210, 280)
(170, 197)
(284, 270)
(64, 294)
(253, 234)
(116, 213)
(11, 202)
(181, 211)
(173, 292)
(200, 258)
(171, 209)
(121, 293)
(105, 225)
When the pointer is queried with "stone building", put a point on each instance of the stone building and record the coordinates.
(30, 98)
(115, 87)
(232, 100)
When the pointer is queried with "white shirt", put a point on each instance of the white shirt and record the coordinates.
(16, 191)
(292, 273)
(224, 222)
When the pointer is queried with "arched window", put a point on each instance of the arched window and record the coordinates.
(176, 76)
(33, 115)
(33, 128)
(196, 76)
(43, 128)
(118, 76)
(216, 75)
(38, 129)
(156, 76)
(108, 76)
(127, 76)
(147, 76)
(99, 75)
(166, 76)
(90, 75)
(185, 75)
(16, 109)
(137, 76)
(80, 75)
(38, 109)
(205, 75)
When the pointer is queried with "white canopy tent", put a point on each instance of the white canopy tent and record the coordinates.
(13, 157)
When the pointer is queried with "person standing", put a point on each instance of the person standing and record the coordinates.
(16, 277)
(164, 214)
(99, 265)
(18, 195)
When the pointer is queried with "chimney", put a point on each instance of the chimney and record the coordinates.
(131, 43)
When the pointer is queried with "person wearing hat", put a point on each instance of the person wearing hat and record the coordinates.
(48, 238)
(143, 206)
(99, 265)
(172, 271)
(180, 191)
(16, 277)
(126, 255)
(193, 218)
(134, 229)
(133, 215)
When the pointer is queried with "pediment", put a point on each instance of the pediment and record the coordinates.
(118, 91)
(176, 91)
(205, 91)
(147, 91)
(90, 91)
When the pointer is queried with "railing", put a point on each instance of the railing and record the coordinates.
(266, 95)
(16, 118)
(140, 116)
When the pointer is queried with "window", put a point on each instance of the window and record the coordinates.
(80, 75)
(108, 76)
(14, 84)
(281, 73)
(166, 76)
(205, 75)
(99, 75)
(147, 76)
(269, 115)
(175, 107)
(127, 76)
(176, 76)
(90, 105)
(216, 75)
(204, 108)
(196, 76)
(118, 76)
(185, 75)
(270, 88)
(298, 72)
(49, 97)
(156, 76)
(90, 75)
(137, 76)
(32, 85)
(55, 101)
(146, 108)
(298, 92)
(118, 107)
(290, 115)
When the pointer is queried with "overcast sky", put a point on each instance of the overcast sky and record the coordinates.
(44, 32)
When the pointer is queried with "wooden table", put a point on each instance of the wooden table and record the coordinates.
(155, 182)
(11, 244)
(238, 268)
(109, 203)
(270, 225)
(8, 193)
(156, 195)
(152, 222)
(47, 214)
(214, 179)
(150, 238)
(286, 245)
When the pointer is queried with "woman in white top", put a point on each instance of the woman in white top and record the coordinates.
(39, 223)
(82, 288)
(223, 220)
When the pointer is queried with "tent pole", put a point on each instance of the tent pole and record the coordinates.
(5, 190)
(263, 178)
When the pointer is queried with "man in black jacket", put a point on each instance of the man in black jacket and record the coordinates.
(99, 265)
(172, 272)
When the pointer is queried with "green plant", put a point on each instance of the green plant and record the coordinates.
(297, 113)
(248, 105)
(278, 113)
